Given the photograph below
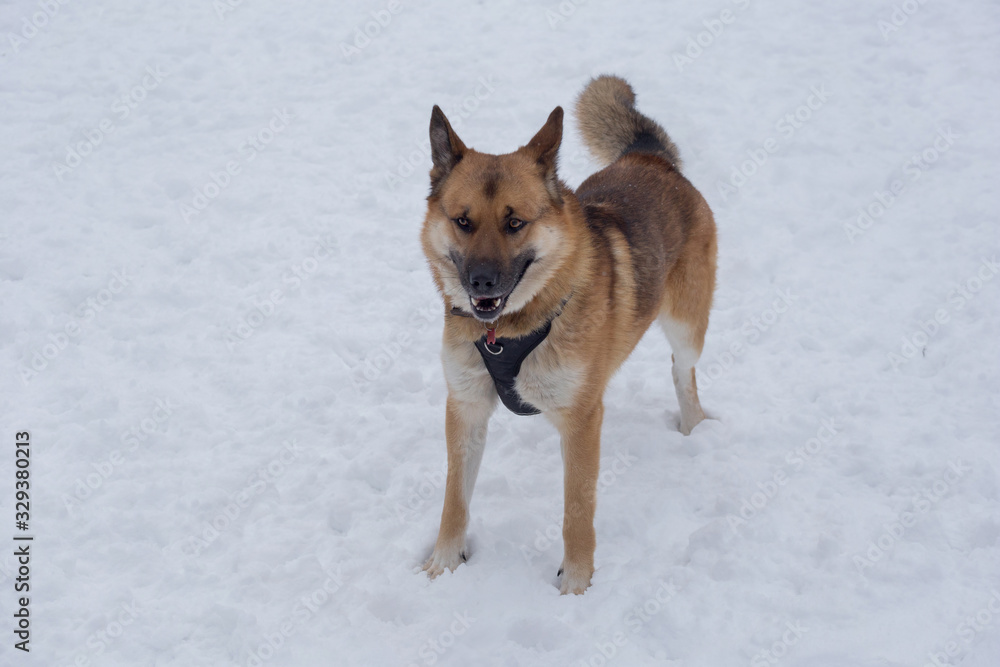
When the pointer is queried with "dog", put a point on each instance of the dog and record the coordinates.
(547, 291)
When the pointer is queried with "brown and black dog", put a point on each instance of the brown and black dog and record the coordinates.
(547, 291)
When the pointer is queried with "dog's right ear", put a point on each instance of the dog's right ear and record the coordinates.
(446, 148)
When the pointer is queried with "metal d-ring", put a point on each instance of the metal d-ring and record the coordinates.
(489, 348)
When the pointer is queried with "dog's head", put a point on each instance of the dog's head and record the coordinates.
(495, 231)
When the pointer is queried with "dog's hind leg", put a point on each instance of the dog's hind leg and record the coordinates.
(686, 347)
(684, 318)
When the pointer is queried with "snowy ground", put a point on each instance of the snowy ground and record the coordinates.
(220, 331)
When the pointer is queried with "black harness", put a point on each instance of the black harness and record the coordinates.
(503, 358)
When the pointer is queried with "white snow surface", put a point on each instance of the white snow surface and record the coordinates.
(236, 408)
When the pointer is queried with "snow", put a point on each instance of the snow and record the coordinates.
(269, 363)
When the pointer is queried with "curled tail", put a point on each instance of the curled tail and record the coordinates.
(612, 126)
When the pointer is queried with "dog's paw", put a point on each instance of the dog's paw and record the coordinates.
(575, 580)
(442, 560)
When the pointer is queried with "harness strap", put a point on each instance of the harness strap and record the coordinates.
(503, 358)
(503, 362)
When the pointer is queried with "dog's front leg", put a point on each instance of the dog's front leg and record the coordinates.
(581, 444)
(465, 430)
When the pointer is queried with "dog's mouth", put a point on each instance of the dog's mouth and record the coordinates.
(488, 308)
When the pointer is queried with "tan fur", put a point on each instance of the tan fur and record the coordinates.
(635, 243)
(609, 121)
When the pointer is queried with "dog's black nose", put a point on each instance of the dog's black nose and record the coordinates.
(484, 277)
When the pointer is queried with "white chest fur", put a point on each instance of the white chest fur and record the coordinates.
(548, 380)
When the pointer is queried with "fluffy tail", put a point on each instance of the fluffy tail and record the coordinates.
(612, 126)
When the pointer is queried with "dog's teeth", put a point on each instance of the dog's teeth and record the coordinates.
(485, 304)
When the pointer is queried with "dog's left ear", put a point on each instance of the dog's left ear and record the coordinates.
(544, 147)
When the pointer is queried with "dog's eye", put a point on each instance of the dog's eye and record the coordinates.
(462, 222)
(515, 224)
